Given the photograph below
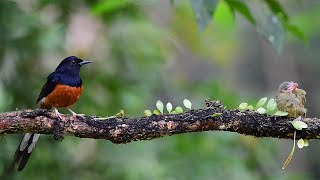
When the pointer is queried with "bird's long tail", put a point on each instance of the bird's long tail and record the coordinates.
(24, 151)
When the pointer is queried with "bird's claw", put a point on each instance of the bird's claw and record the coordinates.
(298, 118)
(75, 114)
(78, 115)
(105, 118)
(58, 115)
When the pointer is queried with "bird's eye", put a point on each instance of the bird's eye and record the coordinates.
(73, 62)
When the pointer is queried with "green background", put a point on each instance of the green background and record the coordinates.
(144, 51)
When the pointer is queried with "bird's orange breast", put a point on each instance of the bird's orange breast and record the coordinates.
(62, 96)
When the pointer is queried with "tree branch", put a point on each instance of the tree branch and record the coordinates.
(127, 129)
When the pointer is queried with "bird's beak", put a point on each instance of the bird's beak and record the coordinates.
(293, 87)
(85, 62)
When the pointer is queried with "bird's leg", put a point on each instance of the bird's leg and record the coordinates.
(298, 118)
(58, 115)
(75, 114)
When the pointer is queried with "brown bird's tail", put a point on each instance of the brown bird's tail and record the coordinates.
(23, 152)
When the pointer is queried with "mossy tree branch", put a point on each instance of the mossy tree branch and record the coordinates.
(127, 129)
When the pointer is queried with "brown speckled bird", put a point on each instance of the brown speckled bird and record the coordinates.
(291, 99)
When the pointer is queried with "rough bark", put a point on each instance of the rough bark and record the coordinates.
(126, 129)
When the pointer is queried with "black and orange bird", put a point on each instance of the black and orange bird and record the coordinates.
(291, 99)
(62, 89)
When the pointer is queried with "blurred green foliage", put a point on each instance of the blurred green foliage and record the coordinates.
(135, 63)
(272, 21)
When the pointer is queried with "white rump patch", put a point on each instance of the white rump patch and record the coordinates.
(34, 142)
(24, 141)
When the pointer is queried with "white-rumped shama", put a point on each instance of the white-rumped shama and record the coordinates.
(62, 89)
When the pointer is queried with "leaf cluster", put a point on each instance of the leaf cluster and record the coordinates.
(262, 107)
(160, 108)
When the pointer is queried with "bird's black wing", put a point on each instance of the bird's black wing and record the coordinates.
(48, 87)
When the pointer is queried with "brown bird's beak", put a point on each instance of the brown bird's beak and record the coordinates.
(85, 62)
(292, 87)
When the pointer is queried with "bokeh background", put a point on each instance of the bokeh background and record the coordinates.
(149, 50)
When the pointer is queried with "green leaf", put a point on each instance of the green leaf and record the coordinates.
(242, 9)
(250, 107)
(147, 113)
(272, 105)
(174, 112)
(299, 125)
(216, 114)
(159, 106)
(261, 110)
(108, 6)
(156, 112)
(243, 106)
(300, 143)
(169, 107)
(187, 103)
(269, 26)
(277, 9)
(281, 113)
(121, 113)
(261, 102)
(179, 110)
(285, 164)
(272, 29)
(296, 31)
(203, 11)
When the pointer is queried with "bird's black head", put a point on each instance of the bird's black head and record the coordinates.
(71, 65)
